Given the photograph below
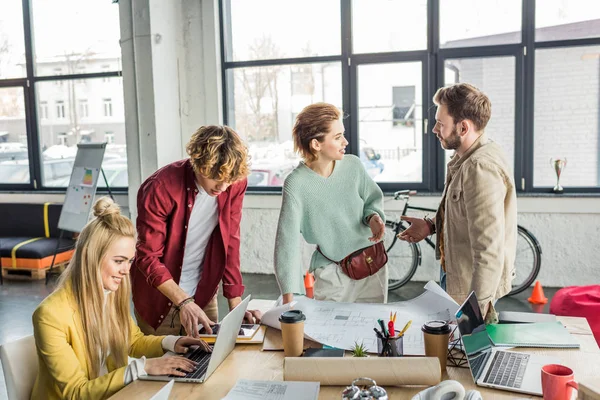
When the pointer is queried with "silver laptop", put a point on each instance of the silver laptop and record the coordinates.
(500, 369)
(208, 362)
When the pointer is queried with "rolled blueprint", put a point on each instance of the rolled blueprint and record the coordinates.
(390, 371)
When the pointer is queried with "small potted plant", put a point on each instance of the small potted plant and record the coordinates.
(359, 350)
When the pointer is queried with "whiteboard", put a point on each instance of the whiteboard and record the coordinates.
(82, 186)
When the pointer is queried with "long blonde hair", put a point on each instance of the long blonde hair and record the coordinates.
(106, 328)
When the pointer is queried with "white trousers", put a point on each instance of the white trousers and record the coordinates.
(331, 284)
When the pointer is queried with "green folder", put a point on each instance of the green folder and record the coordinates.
(540, 334)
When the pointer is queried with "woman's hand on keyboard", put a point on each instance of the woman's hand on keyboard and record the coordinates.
(176, 365)
(183, 344)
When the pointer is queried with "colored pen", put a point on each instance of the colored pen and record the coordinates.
(391, 328)
(405, 328)
(379, 335)
(382, 327)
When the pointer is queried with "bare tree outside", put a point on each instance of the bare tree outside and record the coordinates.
(259, 86)
(73, 61)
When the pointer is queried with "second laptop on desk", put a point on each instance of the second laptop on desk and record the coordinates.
(491, 367)
(208, 362)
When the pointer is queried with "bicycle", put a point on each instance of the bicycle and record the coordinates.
(404, 258)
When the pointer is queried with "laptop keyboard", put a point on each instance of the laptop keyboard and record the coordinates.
(477, 363)
(507, 369)
(202, 358)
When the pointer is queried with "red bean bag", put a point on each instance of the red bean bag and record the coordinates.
(579, 301)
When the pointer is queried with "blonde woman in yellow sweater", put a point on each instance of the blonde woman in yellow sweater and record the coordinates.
(84, 331)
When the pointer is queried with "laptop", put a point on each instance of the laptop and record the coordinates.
(208, 362)
(490, 367)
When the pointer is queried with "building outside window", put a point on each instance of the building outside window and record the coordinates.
(83, 108)
(107, 107)
(109, 137)
(59, 73)
(44, 109)
(60, 109)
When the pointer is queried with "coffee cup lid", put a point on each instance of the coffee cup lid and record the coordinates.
(436, 326)
(292, 316)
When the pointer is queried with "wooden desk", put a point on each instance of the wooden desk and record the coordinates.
(249, 362)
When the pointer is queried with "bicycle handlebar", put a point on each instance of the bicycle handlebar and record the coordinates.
(404, 193)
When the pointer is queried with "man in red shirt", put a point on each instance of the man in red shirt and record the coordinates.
(188, 228)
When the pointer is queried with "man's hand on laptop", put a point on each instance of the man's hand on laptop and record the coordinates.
(183, 344)
(191, 316)
(251, 316)
(176, 365)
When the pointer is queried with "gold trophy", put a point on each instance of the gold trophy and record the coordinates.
(559, 165)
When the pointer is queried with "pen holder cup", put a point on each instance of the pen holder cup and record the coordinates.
(394, 347)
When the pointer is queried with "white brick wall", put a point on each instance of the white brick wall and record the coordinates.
(566, 115)
(495, 76)
(567, 230)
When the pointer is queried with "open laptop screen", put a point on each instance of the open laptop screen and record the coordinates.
(475, 338)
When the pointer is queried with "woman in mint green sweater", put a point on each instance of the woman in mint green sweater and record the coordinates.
(332, 202)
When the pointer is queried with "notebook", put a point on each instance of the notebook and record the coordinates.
(258, 337)
(513, 317)
(540, 334)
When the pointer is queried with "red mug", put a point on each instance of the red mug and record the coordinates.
(557, 382)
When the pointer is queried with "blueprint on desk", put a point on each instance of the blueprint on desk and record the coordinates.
(340, 325)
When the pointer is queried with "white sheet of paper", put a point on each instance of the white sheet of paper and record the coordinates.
(340, 325)
(271, 317)
(163, 394)
(245, 389)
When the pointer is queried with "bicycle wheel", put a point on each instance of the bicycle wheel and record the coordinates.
(403, 257)
(527, 262)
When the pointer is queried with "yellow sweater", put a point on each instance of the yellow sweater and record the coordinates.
(59, 339)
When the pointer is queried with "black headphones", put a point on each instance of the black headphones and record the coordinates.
(373, 392)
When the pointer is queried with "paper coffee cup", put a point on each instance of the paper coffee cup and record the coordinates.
(292, 331)
(435, 336)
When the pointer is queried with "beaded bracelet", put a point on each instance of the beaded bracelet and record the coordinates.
(184, 302)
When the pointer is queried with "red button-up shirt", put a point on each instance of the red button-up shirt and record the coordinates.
(164, 204)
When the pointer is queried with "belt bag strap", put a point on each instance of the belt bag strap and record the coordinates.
(362, 263)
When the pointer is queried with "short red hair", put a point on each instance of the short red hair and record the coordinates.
(313, 122)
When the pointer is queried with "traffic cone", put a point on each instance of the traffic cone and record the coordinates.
(537, 297)
(309, 284)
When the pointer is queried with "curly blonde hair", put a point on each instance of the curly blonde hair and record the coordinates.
(217, 152)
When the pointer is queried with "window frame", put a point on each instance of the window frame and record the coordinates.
(433, 59)
(32, 119)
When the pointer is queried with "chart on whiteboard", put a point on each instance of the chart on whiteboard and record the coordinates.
(340, 325)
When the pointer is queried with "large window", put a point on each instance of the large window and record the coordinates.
(56, 96)
(381, 61)
(495, 76)
(390, 109)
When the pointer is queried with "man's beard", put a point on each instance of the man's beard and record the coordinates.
(452, 142)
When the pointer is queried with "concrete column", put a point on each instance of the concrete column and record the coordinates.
(171, 80)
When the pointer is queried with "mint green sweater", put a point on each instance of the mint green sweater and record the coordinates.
(329, 212)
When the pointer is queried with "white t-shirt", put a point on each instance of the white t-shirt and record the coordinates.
(202, 223)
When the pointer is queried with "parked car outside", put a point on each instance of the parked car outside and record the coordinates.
(13, 151)
(371, 161)
(265, 173)
(54, 171)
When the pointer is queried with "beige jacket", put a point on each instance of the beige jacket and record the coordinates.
(480, 224)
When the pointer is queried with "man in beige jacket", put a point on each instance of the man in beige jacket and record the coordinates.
(476, 221)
